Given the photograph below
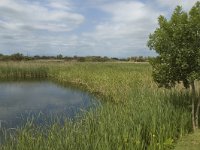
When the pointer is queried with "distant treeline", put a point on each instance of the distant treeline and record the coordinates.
(21, 57)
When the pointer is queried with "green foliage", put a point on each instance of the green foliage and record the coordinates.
(17, 57)
(59, 56)
(135, 114)
(177, 43)
(20, 57)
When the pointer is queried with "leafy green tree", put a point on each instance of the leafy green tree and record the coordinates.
(177, 43)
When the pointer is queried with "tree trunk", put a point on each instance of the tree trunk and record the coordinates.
(197, 114)
(193, 105)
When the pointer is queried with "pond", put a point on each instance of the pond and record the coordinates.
(44, 101)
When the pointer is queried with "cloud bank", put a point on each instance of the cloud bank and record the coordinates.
(102, 27)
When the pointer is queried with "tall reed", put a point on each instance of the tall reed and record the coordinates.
(135, 114)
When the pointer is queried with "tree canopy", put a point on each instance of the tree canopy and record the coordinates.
(177, 42)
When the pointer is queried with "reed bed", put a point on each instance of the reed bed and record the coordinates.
(135, 114)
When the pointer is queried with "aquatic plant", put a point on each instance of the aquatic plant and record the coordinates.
(135, 114)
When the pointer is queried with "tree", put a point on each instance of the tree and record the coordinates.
(177, 43)
(17, 57)
(59, 56)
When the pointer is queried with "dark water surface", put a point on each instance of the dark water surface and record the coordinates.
(42, 100)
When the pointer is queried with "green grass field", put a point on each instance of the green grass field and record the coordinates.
(135, 114)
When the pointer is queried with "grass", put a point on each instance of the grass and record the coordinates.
(189, 142)
(135, 115)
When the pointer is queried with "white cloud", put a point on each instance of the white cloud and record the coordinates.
(36, 27)
(108, 27)
(127, 11)
(36, 16)
(127, 31)
(186, 4)
(60, 5)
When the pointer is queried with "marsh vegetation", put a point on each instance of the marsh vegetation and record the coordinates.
(136, 114)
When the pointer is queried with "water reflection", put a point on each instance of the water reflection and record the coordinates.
(21, 100)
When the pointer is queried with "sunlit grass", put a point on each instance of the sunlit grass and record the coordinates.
(189, 142)
(135, 114)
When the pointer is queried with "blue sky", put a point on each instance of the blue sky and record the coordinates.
(114, 28)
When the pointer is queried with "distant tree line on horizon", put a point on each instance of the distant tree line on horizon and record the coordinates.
(21, 57)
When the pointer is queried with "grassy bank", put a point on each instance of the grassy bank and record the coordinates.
(189, 142)
(136, 114)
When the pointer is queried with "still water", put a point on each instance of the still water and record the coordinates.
(21, 101)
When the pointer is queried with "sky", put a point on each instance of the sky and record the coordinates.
(113, 28)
